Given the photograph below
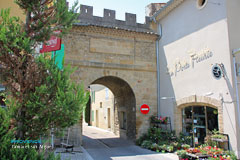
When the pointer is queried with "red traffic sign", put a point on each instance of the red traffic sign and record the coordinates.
(53, 44)
(144, 109)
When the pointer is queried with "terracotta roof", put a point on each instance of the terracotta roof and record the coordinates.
(171, 5)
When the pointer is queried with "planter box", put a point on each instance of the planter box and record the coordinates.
(200, 156)
(219, 140)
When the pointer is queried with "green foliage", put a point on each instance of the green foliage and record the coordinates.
(12, 35)
(87, 112)
(6, 134)
(182, 153)
(157, 140)
(216, 135)
(57, 103)
(183, 139)
(7, 152)
(48, 16)
(230, 154)
(141, 139)
(146, 144)
(39, 96)
(185, 146)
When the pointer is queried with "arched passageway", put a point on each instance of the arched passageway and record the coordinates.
(124, 106)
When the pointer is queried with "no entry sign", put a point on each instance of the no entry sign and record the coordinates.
(144, 109)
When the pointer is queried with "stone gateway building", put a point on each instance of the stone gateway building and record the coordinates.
(120, 55)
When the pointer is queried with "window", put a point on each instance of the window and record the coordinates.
(100, 104)
(93, 96)
(92, 115)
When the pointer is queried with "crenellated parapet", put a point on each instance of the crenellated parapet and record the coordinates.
(109, 20)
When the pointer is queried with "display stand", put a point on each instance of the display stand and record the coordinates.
(219, 141)
(165, 126)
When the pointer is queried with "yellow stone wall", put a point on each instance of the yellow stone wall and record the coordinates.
(101, 105)
(14, 8)
(99, 52)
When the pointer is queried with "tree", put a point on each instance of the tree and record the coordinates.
(41, 95)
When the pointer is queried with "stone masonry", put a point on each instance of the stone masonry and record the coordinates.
(120, 55)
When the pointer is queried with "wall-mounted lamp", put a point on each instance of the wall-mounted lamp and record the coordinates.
(164, 98)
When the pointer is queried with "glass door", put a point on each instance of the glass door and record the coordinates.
(199, 125)
(188, 122)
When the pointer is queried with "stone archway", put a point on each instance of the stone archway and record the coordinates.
(194, 101)
(124, 102)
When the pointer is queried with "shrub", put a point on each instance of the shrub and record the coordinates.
(7, 152)
(147, 144)
(182, 154)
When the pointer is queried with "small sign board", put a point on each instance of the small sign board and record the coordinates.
(144, 109)
(53, 44)
(217, 71)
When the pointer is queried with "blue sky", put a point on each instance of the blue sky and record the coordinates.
(121, 6)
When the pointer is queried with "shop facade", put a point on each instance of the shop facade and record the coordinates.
(197, 82)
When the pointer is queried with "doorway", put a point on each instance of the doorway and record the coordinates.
(198, 121)
(123, 100)
(97, 119)
(109, 118)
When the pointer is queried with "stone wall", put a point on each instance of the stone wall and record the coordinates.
(99, 52)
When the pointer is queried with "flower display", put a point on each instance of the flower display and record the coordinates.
(162, 120)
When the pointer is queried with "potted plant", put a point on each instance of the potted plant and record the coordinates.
(217, 136)
(162, 120)
(182, 154)
(185, 146)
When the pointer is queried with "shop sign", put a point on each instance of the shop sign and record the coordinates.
(53, 44)
(217, 71)
(195, 57)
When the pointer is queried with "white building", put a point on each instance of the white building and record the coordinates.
(102, 107)
(197, 82)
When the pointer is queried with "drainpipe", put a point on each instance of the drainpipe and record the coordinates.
(234, 52)
(158, 65)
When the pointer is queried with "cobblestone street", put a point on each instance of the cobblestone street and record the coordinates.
(104, 145)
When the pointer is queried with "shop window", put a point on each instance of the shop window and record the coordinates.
(123, 120)
(198, 121)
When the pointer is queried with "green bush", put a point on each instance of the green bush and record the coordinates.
(182, 153)
(147, 144)
(7, 152)
(157, 139)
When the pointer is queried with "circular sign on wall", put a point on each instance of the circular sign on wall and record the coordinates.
(217, 71)
(144, 109)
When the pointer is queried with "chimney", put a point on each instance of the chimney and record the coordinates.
(152, 8)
